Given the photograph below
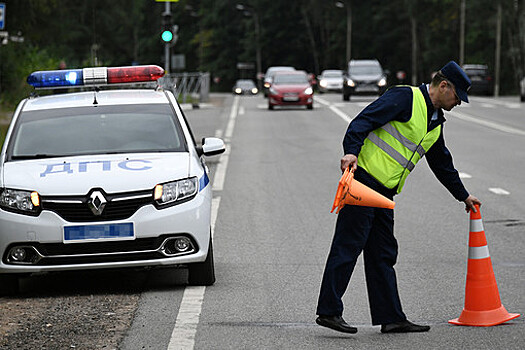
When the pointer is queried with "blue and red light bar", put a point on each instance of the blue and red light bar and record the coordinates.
(94, 76)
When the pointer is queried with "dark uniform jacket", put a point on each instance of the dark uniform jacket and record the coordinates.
(396, 104)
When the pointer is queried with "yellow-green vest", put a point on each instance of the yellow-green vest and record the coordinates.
(390, 152)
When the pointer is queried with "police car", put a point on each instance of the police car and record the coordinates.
(103, 178)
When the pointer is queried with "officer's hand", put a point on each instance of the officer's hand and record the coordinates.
(348, 161)
(470, 203)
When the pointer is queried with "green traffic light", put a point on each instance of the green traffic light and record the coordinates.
(167, 36)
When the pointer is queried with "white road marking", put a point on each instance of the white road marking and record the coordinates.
(220, 172)
(500, 191)
(183, 334)
(334, 109)
(489, 124)
(464, 175)
(487, 105)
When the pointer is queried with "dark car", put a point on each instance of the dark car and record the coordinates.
(482, 83)
(245, 87)
(290, 89)
(364, 77)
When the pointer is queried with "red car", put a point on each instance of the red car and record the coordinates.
(290, 89)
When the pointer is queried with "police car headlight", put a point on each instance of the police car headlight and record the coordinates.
(176, 191)
(24, 202)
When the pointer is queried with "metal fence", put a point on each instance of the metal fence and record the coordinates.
(188, 86)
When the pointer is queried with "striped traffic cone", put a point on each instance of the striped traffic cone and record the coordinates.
(483, 306)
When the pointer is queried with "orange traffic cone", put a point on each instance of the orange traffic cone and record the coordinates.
(351, 191)
(483, 306)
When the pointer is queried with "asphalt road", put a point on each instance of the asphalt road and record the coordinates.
(273, 191)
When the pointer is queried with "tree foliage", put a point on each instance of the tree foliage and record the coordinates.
(214, 36)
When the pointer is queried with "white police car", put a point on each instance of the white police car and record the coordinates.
(103, 179)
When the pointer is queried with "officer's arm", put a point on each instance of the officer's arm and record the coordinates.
(440, 162)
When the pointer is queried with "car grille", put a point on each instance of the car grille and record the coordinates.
(118, 207)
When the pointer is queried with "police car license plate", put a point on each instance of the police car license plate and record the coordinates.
(105, 232)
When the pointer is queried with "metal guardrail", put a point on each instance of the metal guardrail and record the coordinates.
(195, 85)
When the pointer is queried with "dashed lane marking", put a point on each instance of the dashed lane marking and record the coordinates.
(499, 191)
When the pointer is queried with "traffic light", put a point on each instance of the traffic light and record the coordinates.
(169, 30)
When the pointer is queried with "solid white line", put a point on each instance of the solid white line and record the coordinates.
(498, 190)
(220, 172)
(215, 202)
(487, 123)
(183, 334)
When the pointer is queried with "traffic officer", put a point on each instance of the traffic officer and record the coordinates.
(382, 145)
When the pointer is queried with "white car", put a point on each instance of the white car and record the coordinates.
(331, 80)
(103, 179)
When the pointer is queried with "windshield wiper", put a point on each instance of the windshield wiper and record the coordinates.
(37, 156)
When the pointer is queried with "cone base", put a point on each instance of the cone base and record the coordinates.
(484, 318)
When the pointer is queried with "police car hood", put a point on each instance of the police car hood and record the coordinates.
(112, 173)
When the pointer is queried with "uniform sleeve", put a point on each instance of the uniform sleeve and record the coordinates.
(395, 104)
(440, 162)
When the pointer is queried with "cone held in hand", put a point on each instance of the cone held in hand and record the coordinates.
(483, 306)
(352, 192)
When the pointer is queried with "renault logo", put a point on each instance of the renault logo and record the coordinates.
(97, 202)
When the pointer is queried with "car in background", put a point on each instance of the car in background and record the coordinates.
(331, 80)
(122, 182)
(364, 77)
(482, 83)
(245, 87)
(290, 88)
(268, 76)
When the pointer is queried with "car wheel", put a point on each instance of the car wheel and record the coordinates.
(346, 97)
(8, 284)
(310, 106)
(522, 98)
(270, 107)
(203, 274)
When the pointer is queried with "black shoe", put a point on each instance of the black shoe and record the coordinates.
(336, 323)
(403, 327)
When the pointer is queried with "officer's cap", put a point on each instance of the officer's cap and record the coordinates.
(453, 72)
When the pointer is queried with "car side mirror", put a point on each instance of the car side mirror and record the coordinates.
(211, 146)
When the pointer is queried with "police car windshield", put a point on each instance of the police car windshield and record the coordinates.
(96, 130)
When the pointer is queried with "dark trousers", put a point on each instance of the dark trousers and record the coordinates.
(371, 231)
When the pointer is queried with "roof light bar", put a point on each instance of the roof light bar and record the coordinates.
(94, 76)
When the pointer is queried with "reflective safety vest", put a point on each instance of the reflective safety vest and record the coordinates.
(390, 152)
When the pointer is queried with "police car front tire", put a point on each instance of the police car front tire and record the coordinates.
(203, 274)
